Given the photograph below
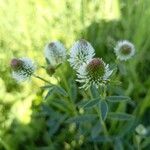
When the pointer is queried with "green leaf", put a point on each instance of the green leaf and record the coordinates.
(103, 109)
(128, 145)
(61, 105)
(60, 90)
(118, 144)
(103, 139)
(49, 93)
(115, 99)
(46, 86)
(96, 130)
(120, 116)
(91, 103)
(82, 103)
(47, 61)
(55, 123)
(73, 89)
(94, 91)
(129, 128)
(82, 118)
(146, 142)
(56, 90)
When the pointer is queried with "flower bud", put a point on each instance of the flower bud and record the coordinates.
(55, 53)
(50, 70)
(141, 130)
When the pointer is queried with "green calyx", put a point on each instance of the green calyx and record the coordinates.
(50, 70)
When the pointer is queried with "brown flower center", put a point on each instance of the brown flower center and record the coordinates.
(126, 49)
(96, 68)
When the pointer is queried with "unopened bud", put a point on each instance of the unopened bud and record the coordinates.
(50, 70)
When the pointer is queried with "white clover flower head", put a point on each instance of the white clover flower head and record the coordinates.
(81, 52)
(141, 130)
(95, 72)
(55, 53)
(124, 50)
(23, 68)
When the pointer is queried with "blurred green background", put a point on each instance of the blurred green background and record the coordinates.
(27, 25)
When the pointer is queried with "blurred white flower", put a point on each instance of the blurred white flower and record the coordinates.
(81, 52)
(124, 50)
(55, 53)
(95, 72)
(141, 130)
(23, 68)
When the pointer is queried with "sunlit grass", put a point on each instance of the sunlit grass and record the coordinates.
(110, 10)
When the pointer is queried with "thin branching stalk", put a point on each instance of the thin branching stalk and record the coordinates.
(41, 78)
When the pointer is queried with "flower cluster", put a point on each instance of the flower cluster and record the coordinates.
(94, 71)
(90, 70)
(24, 68)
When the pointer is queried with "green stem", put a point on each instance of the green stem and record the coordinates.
(102, 123)
(68, 91)
(38, 77)
(103, 95)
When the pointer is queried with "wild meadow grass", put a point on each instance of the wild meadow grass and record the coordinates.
(35, 115)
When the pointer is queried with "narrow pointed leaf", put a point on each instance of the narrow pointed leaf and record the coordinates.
(102, 139)
(103, 109)
(49, 93)
(60, 90)
(61, 105)
(96, 130)
(46, 86)
(118, 144)
(120, 116)
(115, 99)
(73, 89)
(91, 103)
(118, 98)
(82, 118)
